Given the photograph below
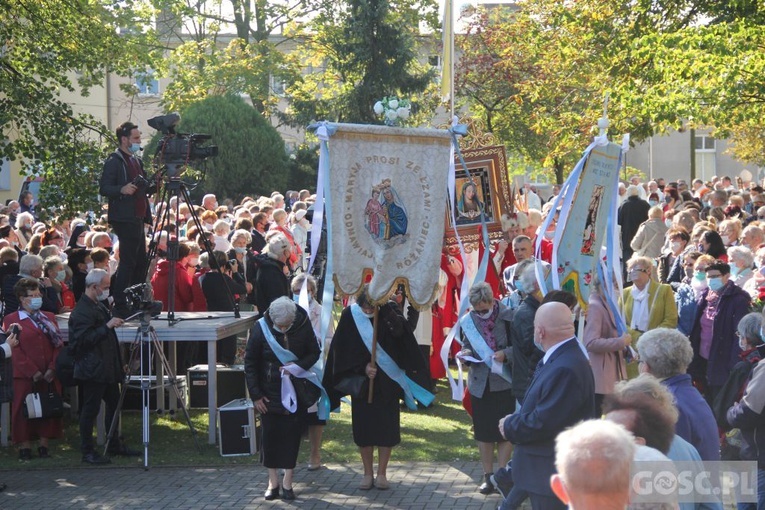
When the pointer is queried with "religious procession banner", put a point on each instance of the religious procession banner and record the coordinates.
(586, 221)
(388, 188)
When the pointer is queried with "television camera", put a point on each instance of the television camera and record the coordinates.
(176, 150)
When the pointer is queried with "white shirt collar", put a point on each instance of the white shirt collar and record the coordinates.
(554, 348)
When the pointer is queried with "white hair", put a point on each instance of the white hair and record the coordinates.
(30, 262)
(594, 457)
(239, 233)
(741, 253)
(277, 245)
(95, 277)
(667, 352)
(282, 310)
(221, 227)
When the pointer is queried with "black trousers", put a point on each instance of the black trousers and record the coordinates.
(92, 394)
(132, 266)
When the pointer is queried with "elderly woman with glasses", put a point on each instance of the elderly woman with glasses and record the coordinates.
(715, 346)
(284, 336)
(486, 337)
(665, 354)
(647, 303)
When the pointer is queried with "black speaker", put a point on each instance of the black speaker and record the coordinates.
(231, 384)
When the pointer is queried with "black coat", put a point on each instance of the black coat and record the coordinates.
(49, 296)
(261, 366)
(632, 213)
(271, 282)
(525, 353)
(94, 346)
(219, 289)
(246, 274)
(348, 356)
(114, 176)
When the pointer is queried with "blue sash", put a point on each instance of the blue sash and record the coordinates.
(480, 346)
(286, 357)
(412, 390)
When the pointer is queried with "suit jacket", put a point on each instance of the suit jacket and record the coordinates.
(662, 310)
(561, 394)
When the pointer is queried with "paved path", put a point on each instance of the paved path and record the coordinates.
(414, 486)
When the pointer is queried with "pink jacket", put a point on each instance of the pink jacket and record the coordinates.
(604, 346)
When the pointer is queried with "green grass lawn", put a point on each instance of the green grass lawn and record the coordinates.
(440, 433)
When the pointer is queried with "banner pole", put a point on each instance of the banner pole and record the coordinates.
(374, 353)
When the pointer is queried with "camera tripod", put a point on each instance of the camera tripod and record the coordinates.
(141, 350)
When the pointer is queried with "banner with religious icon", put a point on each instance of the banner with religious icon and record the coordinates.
(389, 191)
(586, 218)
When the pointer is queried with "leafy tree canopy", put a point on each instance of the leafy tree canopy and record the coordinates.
(252, 157)
(50, 46)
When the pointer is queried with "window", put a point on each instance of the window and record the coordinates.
(147, 83)
(435, 61)
(277, 86)
(706, 156)
(5, 174)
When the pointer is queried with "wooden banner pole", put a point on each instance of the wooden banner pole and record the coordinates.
(374, 353)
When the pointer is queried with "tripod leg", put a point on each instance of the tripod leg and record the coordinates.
(118, 409)
(174, 384)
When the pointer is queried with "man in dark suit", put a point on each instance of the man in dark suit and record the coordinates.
(561, 394)
(632, 213)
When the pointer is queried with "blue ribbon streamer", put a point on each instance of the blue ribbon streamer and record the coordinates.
(285, 356)
(412, 390)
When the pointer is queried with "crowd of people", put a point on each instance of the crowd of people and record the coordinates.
(681, 383)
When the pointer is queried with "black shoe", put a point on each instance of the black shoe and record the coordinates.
(272, 494)
(25, 454)
(503, 486)
(487, 487)
(95, 459)
(42, 452)
(288, 494)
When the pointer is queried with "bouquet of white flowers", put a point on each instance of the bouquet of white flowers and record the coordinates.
(393, 110)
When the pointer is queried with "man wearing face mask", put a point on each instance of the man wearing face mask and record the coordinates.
(561, 394)
(123, 182)
(98, 366)
(713, 338)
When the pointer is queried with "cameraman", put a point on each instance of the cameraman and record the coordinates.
(124, 182)
(98, 367)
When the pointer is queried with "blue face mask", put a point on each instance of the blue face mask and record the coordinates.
(653, 203)
(519, 286)
(35, 303)
(735, 271)
(296, 298)
(715, 284)
(135, 147)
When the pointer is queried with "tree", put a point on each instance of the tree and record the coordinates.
(367, 50)
(252, 157)
(206, 60)
(49, 46)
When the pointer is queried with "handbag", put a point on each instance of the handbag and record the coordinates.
(43, 404)
(307, 393)
(351, 385)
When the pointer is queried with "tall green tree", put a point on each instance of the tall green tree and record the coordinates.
(229, 47)
(362, 51)
(252, 156)
(50, 46)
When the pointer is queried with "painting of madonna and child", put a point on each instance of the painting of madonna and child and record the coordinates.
(385, 215)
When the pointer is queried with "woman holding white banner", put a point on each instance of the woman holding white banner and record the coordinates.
(280, 344)
(486, 332)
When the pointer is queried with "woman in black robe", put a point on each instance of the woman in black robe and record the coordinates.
(291, 328)
(376, 424)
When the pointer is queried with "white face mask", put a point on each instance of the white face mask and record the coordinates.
(668, 223)
(676, 246)
(725, 240)
(485, 315)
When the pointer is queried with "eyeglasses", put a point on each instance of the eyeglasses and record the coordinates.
(638, 270)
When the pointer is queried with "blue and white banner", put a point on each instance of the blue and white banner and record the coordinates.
(586, 222)
(388, 217)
